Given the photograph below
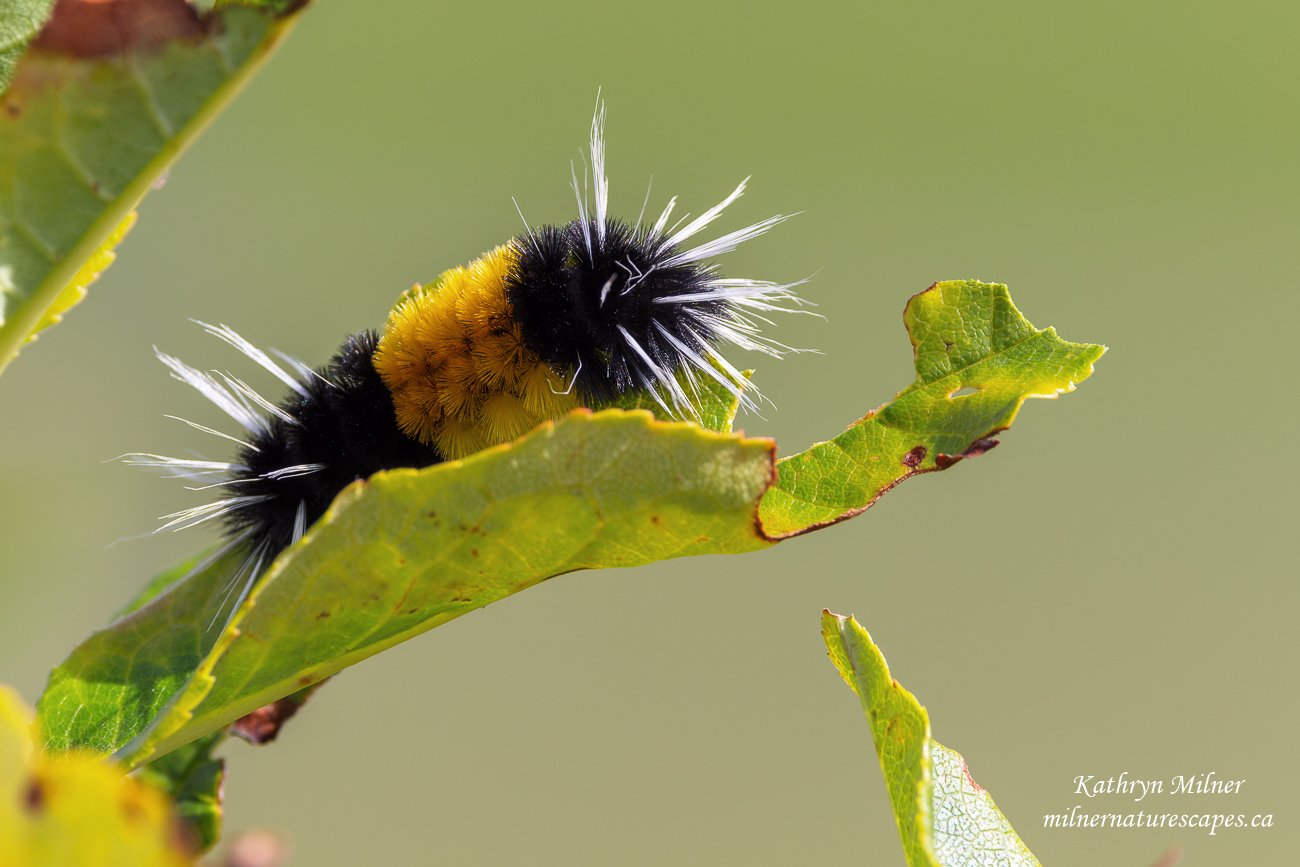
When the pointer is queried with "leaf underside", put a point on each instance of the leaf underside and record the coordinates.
(944, 818)
(408, 550)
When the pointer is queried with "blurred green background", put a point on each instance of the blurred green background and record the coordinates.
(1105, 593)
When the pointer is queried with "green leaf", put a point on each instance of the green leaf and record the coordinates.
(944, 818)
(411, 549)
(83, 138)
(193, 779)
(965, 335)
(20, 21)
(591, 491)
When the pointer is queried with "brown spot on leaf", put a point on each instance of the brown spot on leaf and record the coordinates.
(98, 28)
(976, 449)
(34, 797)
(322, 615)
(914, 457)
(473, 552)
(132, 810)
(654, 519)
(970, 781)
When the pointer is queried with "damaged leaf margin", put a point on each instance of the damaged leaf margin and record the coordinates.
(977, 361)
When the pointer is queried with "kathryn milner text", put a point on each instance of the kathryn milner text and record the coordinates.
(1196, 784)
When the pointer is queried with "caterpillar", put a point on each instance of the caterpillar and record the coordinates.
(557, 318)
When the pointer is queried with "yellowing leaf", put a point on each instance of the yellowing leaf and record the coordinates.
(399, 554)
(73, 810)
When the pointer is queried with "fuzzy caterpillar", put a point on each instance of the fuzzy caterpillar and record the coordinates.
(557, 318)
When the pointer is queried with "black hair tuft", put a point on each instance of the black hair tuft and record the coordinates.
(343, 428)
(591, 311)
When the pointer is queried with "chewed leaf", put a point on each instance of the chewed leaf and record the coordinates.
(944, 818)
(91, 121)
(408, 550)
(966, 336)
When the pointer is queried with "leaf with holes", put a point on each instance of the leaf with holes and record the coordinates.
(94, 117)
(408, 550)
(944, 818)
(965, 335)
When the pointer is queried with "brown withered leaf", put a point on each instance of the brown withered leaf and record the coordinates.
(97, 28)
